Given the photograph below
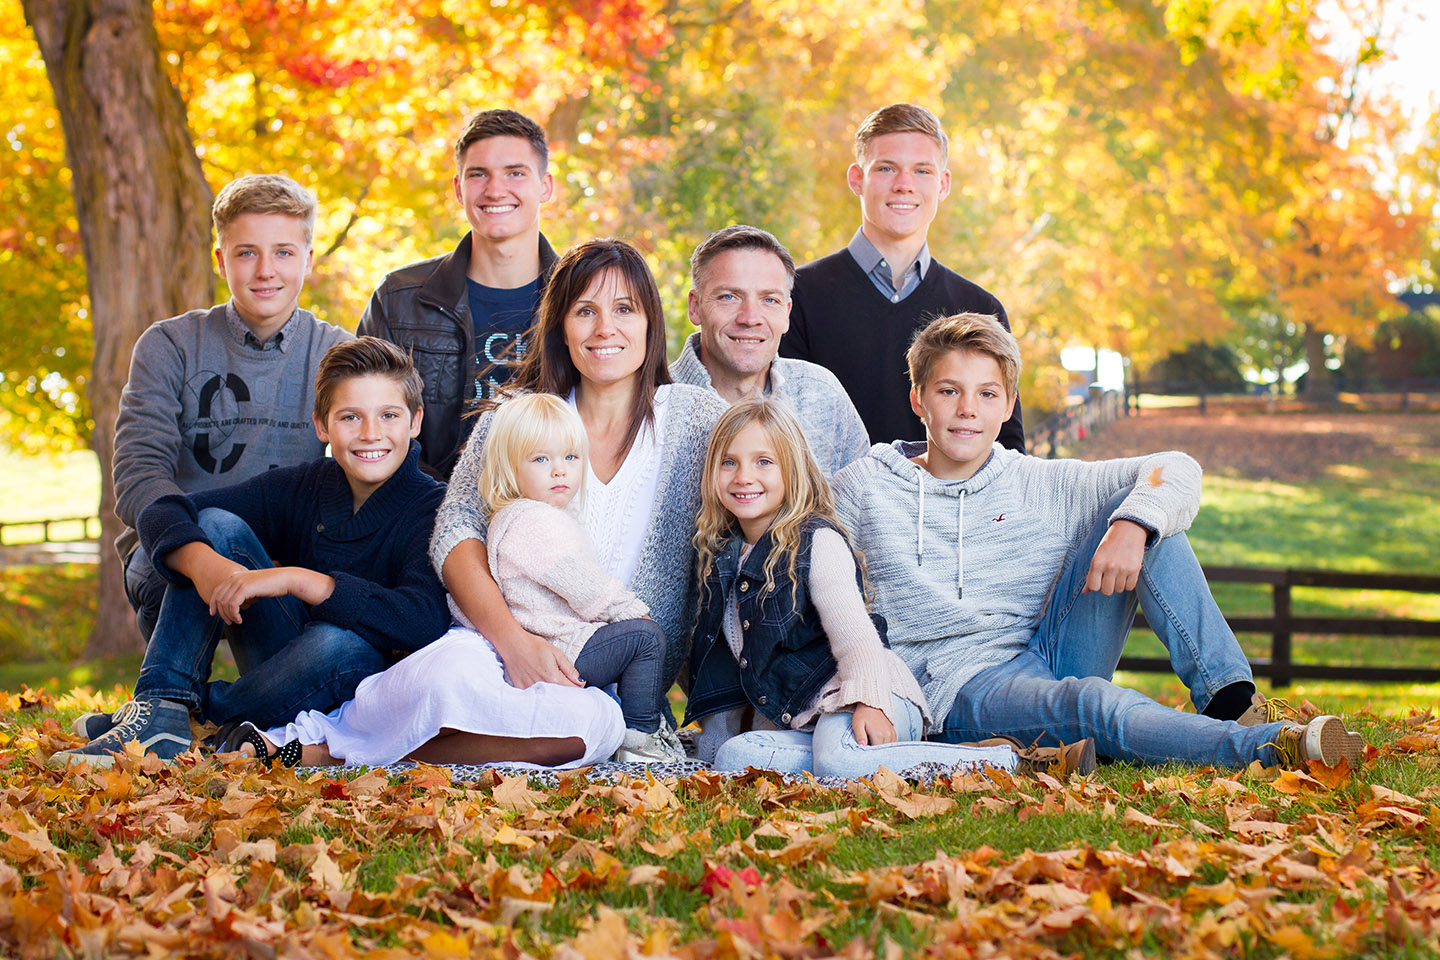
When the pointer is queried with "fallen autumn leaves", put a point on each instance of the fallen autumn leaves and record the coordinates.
(206, 858)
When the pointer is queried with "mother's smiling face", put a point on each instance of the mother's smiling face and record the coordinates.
(600, 322)
(606, 330)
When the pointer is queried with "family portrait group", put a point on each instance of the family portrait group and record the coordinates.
(531, 524)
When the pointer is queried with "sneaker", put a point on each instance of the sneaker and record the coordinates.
(1324, 739)
(93, 725)
(1077, 757)
(662, 746)
(1263, 710)
(162, 728)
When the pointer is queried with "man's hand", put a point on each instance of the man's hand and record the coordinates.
(535, 660)
(871, 727)
(1115, 567)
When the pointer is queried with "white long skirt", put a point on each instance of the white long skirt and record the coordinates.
(455, 683)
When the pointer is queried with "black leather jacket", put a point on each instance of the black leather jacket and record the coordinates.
(425, 308)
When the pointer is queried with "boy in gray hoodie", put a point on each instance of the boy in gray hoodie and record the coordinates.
(1009, 583)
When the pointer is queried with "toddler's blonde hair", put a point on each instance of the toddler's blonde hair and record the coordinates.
(522, 424)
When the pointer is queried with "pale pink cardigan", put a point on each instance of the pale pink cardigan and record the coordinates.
(547, 572)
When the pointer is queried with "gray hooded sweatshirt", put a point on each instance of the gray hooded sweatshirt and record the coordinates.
(962, 570)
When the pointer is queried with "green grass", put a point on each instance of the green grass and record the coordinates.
(42, 488)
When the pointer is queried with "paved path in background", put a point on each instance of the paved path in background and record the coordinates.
(1289, 447)
(75, 551)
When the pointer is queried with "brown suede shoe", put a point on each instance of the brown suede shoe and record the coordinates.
(1077, 757)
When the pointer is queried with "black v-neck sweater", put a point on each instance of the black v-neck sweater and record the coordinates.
(842, 322)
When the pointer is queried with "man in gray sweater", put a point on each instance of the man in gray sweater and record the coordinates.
(1009, 583)
(740, 280)
(218, 395)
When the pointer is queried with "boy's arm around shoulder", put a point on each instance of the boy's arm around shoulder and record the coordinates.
(147, 430)
(549, 547)
(408, 610)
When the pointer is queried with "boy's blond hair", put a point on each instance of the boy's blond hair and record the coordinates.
(977, 332)
(521, 425)
(263, 193)
(365, 357)
(900, 118)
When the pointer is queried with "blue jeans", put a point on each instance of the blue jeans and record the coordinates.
(288, 662)
(1059, 689)
(145, 589)
(630, 654)
(833, 751)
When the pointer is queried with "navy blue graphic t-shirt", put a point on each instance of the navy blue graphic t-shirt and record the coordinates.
(503, 319)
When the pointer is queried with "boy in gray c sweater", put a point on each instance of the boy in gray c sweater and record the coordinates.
(218, 395)
(1009, 583)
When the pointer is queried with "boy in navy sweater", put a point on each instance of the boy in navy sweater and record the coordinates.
(320, 571)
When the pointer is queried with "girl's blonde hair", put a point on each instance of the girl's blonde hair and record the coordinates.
(807, 494)
(521, 425)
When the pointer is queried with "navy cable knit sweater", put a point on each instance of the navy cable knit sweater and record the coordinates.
(385, 589)
(840, 321)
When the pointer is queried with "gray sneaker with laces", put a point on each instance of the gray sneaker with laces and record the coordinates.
(162, 728)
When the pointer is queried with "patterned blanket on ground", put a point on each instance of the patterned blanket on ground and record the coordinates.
(612, 770)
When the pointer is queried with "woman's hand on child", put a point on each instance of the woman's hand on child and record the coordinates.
(1115, 567)
(536, 660)
(871, 727)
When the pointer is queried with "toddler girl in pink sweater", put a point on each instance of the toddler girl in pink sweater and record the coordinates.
(546, 567)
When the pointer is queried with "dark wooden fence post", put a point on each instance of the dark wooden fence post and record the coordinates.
(1280, 651)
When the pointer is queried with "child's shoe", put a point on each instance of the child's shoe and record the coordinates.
(162, 728)
(1077, 757)
(662, 746)
(1324, 738)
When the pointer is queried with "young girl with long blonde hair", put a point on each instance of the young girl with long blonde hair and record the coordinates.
(789, 671)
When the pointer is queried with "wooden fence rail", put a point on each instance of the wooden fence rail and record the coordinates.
(1283, 624)
(89, 528)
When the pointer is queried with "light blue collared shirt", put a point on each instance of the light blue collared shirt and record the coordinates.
(878, 269)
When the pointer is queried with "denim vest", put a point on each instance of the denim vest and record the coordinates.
(785, 659)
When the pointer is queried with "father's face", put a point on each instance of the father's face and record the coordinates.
(742, 308)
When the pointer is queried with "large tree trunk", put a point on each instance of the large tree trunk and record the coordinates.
(142, 203)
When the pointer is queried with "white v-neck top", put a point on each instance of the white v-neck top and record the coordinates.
(617, 514)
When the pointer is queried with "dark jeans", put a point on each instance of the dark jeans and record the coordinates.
(288, 662)
(145, 589)
(632, 653)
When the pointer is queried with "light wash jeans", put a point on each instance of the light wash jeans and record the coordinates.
(288, 662)
(1060, 690)
(833, 751)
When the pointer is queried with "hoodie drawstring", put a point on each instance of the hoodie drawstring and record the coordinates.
(920, 522)
(960, 551)
(959, 537)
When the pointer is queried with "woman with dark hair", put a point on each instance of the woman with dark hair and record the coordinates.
(497, 692)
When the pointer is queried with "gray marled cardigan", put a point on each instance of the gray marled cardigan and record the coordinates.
(665, 576)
